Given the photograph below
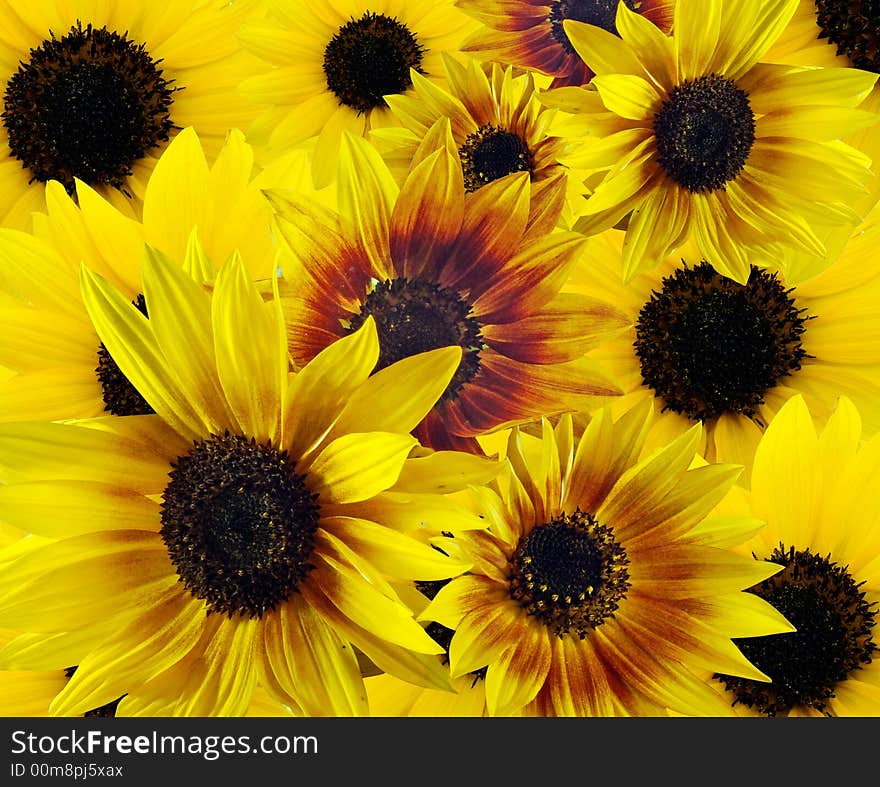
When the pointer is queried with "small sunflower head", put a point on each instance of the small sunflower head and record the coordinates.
(570, 573)
(87, 106)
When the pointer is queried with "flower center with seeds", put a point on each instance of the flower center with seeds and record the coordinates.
(87, 105)
(708, 345)
(854, 27)
(239, 524)
(602, 13)
(120, 396)
(414, 316)
(491, 153)
(570, 573)
(834, 636)
(369, 58)
(704, 131)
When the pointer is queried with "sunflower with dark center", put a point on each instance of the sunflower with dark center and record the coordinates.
(497, 124)
(86, 105)
(692, 136)
(707, 348)
(95, 94)
(832, 33)
(61, 369)
(435, 266)
(241, 530)
(588, 596)
(851, 28)
(814, 483)
(533, 36)
(328, 70)
(369, 58)
(707, 345)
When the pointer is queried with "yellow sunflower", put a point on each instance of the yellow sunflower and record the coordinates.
(213, 545)
(831, 33)
(531, 34)
(708, 349)
(436, 266)
(838, 33)
(820, 496)
(690, 135)
(62, 370)
(498, 125)
(94, 91)
(588, 595)
(328, 67)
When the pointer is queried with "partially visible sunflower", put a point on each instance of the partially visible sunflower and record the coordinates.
(531, 34)
(62, 370)
(831, 33)
(588, 595)
(820, 496)
(709, 349)
(692, 136)
(214, 545)
(498, 126)
(328, 67)
(436, 266)
(838, 33)
(94, 91)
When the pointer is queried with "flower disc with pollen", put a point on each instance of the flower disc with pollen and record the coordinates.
(87, 105)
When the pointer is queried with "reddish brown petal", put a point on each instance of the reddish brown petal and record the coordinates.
(529, 280)
(495, 218)
(563, 330)
(427, 216)
(507, 391)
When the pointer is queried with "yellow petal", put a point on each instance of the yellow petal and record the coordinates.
(358, 466)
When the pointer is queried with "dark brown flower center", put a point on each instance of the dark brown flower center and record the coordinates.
(570, 573)
(414, 316)
(87, 105)
(704, 132)
(369, 58)
(708, 345)
(854, 27)
(602, 13)
(834, 637)
(239, 524)
(491, 153)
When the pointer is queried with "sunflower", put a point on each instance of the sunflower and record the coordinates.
(330, 65)
(831, 33)
(708, 349)
(212, 545)
(62, 370)
(588, 595)
(94, 91)
(689, 135)
(436, 266)
(820, 497)
(531, 34)
(498, 125)
(844, 34)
